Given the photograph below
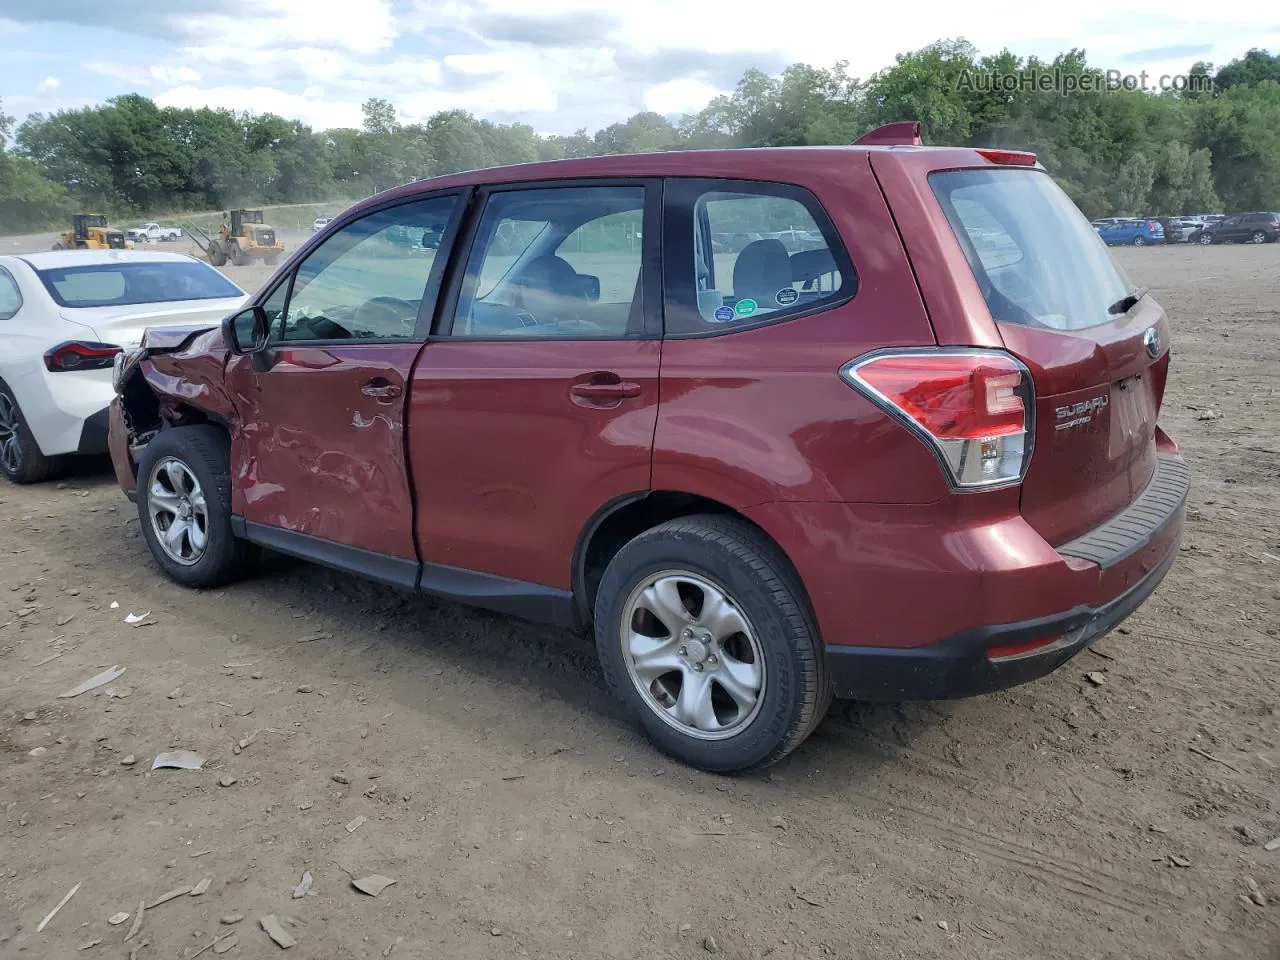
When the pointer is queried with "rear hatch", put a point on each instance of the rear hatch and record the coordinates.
(1096, 345)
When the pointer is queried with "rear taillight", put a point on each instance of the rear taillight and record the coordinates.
(974, 408)
(80, 355)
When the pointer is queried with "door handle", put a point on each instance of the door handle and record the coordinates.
(381, 389)
(622, 390)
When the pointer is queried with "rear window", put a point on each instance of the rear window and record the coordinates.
(1037, 260)
(126, 284)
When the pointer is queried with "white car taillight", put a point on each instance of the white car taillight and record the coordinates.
(974, 408)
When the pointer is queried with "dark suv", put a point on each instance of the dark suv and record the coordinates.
(918, 459)
(1241, 228)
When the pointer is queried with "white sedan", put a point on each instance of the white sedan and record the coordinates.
(63, 317)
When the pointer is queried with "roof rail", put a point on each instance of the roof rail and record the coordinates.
(902, 133)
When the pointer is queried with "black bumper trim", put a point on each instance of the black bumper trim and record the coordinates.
(93, 434)
(959, 666)
(1132, 529)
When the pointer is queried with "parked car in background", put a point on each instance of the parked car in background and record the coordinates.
(1176, 230)
(153, 231)
(1240, 228)
(1137, 233)
(320, 223)
(744, 472)
(63, 318)
(1106, 221)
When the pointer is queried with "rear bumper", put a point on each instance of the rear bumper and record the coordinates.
(964, 596)
(93, 435)
(960, 666)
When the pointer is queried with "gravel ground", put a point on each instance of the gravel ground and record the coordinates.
(349, 729)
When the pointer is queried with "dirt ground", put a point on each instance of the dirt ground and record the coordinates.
(476, 760)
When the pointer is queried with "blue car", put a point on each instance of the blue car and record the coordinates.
(1137, 233)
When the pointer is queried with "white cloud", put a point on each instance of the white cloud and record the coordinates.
(684, 95)
(360, 26)
(48, 85)
(174, 76)
(319, 113)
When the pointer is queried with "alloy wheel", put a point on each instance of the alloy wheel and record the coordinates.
(10, 435)
(178, 510)
(693, 655)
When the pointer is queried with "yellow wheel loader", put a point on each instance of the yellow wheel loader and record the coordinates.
(90, 231)
(245, 239)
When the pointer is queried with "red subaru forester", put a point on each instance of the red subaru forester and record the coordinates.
(875, 421)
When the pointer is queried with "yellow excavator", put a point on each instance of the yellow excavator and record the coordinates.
(90, 231)
(245, 239)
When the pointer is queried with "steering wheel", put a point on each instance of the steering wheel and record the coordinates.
(378, 314)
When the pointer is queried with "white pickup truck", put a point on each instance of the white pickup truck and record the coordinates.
(153, 231)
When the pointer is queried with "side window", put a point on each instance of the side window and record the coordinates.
(368, 280)
(555, 262)
(10, 298)
(760, 252)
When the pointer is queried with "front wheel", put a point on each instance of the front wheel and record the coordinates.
(184, 506)
(704, 632)
(217, 256)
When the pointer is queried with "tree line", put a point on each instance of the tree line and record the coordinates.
(1213, 145)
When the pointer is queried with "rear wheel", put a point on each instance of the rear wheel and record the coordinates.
(20, 458)
(238, 256)
(272, 260)
(1139, 241)
(1205, 239)
(184, 505)
(1258, 237)
(704, 633)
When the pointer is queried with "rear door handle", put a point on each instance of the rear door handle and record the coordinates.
(623, 390)
(381, 389)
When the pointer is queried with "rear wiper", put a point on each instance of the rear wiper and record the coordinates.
(1125, 304)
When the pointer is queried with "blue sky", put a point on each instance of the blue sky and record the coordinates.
(555, 64)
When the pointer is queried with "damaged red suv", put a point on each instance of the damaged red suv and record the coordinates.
(876, 422)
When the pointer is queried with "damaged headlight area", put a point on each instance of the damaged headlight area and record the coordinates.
(124, 362)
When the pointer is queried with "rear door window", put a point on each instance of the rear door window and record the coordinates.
(1037, 260)
(556, 262)
(743, 253)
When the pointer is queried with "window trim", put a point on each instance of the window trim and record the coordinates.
(431, 292)
(681, 195)
(650, 260)
(6, 273)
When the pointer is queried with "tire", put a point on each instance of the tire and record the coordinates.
(272, 260)
(238, 257)
(703, 554)
(58, 246)
(202, 455)
(217, 257)
(20, 458)
(1139, 241)
(1258, 237)
(1205, 239)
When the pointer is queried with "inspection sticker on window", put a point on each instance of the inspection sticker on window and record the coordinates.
(787, 296)
(724, 314)
(745, 307)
